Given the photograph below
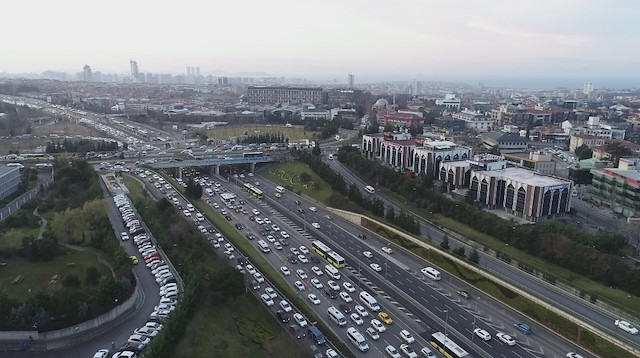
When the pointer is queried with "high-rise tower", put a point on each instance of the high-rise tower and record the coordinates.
(86, 74)
(134, 70)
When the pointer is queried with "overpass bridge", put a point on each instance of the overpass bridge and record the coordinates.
(211, 162)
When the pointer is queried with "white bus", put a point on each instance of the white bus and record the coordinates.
(369, 189)
(357, 339)
(280, 189)
(336, 316)
(332, 271)
(369, 301)
(264, 246)
(431, 273)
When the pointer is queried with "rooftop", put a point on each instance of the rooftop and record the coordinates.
(528, 177)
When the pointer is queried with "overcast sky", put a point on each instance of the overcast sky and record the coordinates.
(583, 39)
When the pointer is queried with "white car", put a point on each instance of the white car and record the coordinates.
(573, 355)
(154, 325)
(277, 245)
(303, 259)
(316, 225)
(316, 283)
(266, 220)
(146, 331)
(299, 286)
(506, 339)
(285, 306)
(378, 326)
(331, 353)
(376, 267)
(301, 274)
(387, 250)
(349, 287)
(392, 351)
(313, 209)
(136, 338)
(626, 326)
(103, 353)
(271, 238)
(258, 276)
(361, 311)
(255, 212)
(367, 254)
(408, 351)
(285, 270)
(317, 271)
(295, 251)
(229, 247)
(299, 318)
(406, 336)
(482, 334)
(304, 250)
(271, 292)
(313, 298)
(251, 270)
(345, 297)
(356, 319)
(266, 299)
(259, 221)
(334, 286)
(371, 332)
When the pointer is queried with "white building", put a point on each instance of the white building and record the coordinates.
(450, 101)
(475, 120)
(427, 158)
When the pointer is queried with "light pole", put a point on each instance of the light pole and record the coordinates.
(446, 324)
(386, 269)
(358, 259)
(475, 312)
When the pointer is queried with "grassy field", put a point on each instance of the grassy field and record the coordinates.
(215, 330)
(288, 174)
(38, 274)
(294, 133)
(27, 145)
(65, 128)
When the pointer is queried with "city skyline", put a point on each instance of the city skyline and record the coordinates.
(482, 41)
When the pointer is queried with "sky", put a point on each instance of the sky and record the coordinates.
(581, 40)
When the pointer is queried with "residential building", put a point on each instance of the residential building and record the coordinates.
(578, 140)
(504, 142)
(9, 180)
(314, 113)
(283, 94)
(402, 120)
(474, 120)
(617, 188)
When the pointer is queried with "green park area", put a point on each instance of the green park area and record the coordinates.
(293, 133)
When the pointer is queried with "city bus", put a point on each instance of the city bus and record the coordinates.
(326, 253)
(447, 347)
(253, 190)
(253, 154)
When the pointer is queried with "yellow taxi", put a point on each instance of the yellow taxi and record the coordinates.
(134, 259)
(278, 195)
(384, 317)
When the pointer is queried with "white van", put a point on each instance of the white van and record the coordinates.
(280, 189)
(264, 246)
(357, 339)
(336, 316)
(431, 273)
(369, 301)
(332, 271)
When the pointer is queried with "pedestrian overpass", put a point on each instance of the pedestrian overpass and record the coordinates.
(211, 162)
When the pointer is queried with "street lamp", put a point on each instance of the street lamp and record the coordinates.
(358, 259)
(386, 269)
(446, 324)
(475, 312)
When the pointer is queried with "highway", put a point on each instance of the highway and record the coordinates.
(534, 286)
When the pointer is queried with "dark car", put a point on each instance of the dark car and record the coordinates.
(315, 259)
(331, 293)
(344, 308)
(297, 331)
(251, 236)
(297, 202)
(229, 218)
(464, 294)
(292, 258)
(239, 226)
(523, 328)
(134, 347)
(283, 316)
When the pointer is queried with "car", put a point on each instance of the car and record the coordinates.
(285, 270)
(626, 326)
(373, 333)
(124, 236)
(304, 250)
(277, 245)
(240, 268)
(331, 293)
(506, 339)
(378, 326)
(134, 259)
(284, 316)
(356, 319)
(136, 338)
(392, 352)
(284, 234)
(301, 274)
(301, 211)
(299, 286)
(349, 287)
(303, 259)
(345, 297)
(408, 351)
(266, 299)
(406, 336)
(482, 334)
(573, 355)
(375, 267)
(278, 195)
(330, 353)
(259, 221)
(285, 306)
(361, 311)
(251, 270)
(275, 227)
(294, 250)
(146, 331)
(317, 271)
(316, 283)
(333, 285)
(313, 298)
(266, 220)
(344, 308)
(523, 328)
(186, 212)
(367, 254)
(384, 317)
(464, 294)
(316, 225)
(426, 352)
(258, 276)
(292, 258)
(271, 292)
(103, 353)
(387, 250)
(299, 318)
(229, 247)
(313, 209)
(129, 353)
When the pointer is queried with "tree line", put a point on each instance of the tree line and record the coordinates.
(81, 146)
(583, 253)
(266, 138)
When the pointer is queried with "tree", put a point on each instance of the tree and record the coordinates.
(229, 282)
(617, 151)
(584, 152)
(193, 190)
(474, 256)
(67, 224)
(316, 150)
(445, 242)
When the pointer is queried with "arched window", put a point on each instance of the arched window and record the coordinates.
(520, 201)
